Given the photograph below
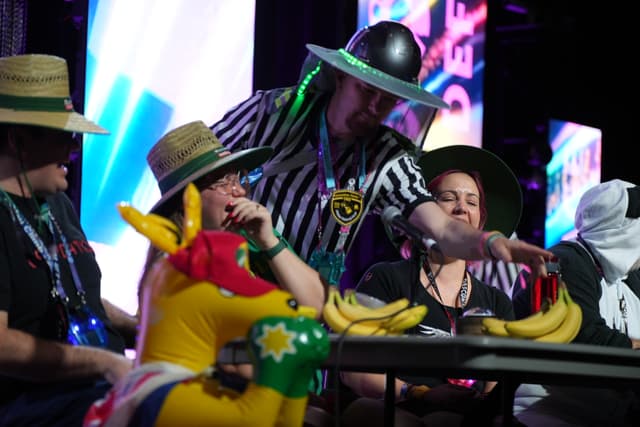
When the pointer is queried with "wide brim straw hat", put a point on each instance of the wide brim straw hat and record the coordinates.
(385, 56)
(501, 187)
(34, 90)
(189, 152)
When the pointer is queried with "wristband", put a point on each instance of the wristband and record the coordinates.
(486, 240)
(279, 247)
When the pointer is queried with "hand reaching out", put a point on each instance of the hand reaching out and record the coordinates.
(513, 250)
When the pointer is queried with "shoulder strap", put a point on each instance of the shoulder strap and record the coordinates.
(300, 159)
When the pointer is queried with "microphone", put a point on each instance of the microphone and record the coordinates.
(392, 217)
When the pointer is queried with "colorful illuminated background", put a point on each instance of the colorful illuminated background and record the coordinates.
(451, 34)
(574, 167)
(151, 66)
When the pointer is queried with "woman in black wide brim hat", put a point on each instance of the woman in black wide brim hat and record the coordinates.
(502, 195)
(474, 186)
(501, 187)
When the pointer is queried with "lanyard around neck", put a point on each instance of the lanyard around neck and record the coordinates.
(50, 255)
(326, 177)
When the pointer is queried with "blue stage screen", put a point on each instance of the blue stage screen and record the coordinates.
(451, 35)
(575, 166)
(151, 66)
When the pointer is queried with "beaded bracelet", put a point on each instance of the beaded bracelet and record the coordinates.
(279, 247)
(486, 240)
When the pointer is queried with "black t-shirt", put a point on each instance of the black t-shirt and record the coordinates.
(389, 281)
(26, 280)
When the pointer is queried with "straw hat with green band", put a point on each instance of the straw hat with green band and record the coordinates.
(501, 187)
(34, 90)
(191, 151)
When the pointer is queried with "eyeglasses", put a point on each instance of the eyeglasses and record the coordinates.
(231, 183)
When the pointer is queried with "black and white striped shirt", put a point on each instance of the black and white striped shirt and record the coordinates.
(289, 188)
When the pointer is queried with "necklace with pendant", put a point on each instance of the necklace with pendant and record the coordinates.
(464, 287)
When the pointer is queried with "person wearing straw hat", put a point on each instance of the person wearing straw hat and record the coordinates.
(334, 161)
(474, 186)
(191, 153)
(59, 347)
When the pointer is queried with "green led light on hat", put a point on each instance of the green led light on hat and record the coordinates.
(307, 79)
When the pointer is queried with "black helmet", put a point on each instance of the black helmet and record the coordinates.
(389, 47)
(384, 55)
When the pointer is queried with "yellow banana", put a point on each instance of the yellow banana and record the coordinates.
(569, 328)
(384, 311)
(539, 323)
(406, 319)
(339, 324)
(161, 232)
(354, 311)
(494, 326)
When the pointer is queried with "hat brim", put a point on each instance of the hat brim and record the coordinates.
(379, 79)
(68, 121)
(246, 159)
(502, 189)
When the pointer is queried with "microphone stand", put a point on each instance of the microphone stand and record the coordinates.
(418, 256)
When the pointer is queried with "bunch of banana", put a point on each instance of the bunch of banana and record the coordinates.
(346, 314)
(559, 322)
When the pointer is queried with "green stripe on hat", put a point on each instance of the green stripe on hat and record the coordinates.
(187, 169)
(31, 103)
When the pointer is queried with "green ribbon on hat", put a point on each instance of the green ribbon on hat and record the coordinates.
(286, 351)
(184, 171)
(31, 103)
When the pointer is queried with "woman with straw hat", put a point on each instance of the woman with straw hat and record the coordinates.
(191, 153)
(57, 344)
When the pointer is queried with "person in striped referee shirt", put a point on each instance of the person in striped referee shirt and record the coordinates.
(334, 161)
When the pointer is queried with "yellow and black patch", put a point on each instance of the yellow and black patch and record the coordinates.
(346, 206)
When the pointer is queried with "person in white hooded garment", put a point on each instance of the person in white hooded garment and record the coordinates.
(601, 268)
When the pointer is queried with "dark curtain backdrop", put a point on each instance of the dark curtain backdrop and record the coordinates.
(284, 27)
